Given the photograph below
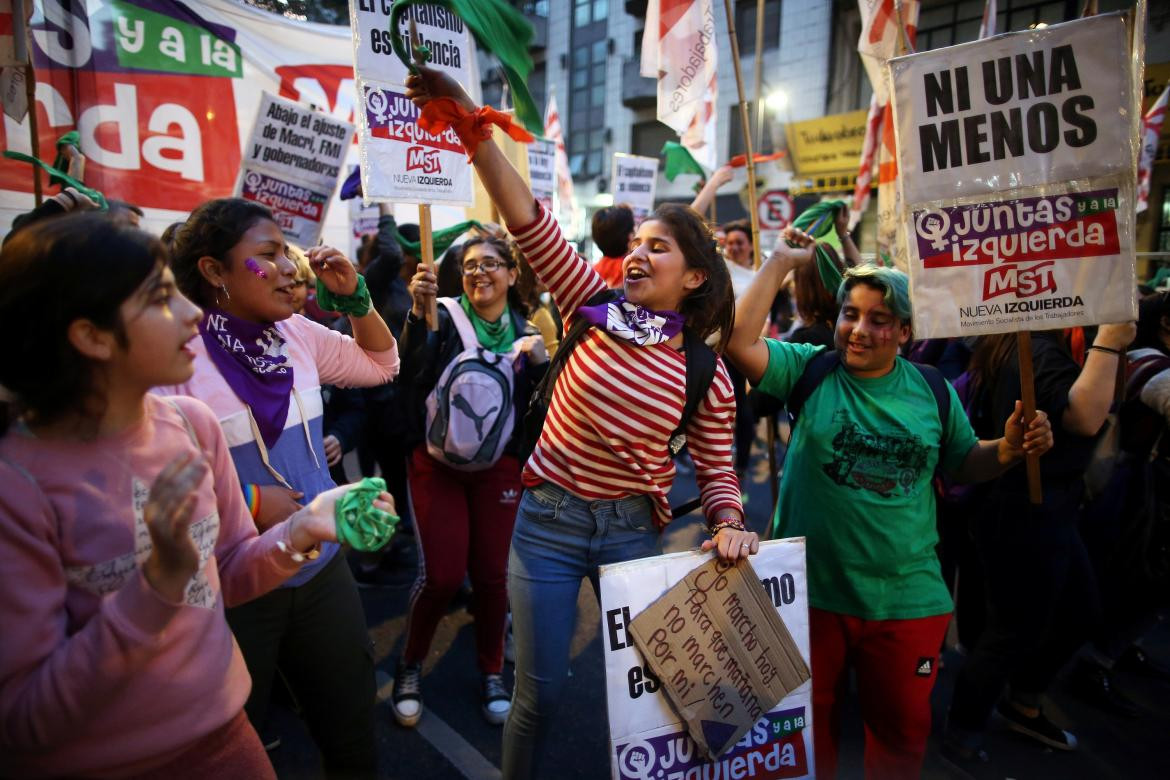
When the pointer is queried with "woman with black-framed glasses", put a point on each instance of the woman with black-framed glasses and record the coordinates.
(466, 387)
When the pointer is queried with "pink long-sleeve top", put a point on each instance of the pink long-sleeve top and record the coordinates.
(99, 674)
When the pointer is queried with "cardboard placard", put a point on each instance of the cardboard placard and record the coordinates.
(542, 157)
(399, 161)
(634, 181)
(1016, 171)
(725, 658)
(291, 163)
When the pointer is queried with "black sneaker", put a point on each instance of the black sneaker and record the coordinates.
(1039, 728)
(968, 764)
(406, 697)
(1091, 683)
(497, 702)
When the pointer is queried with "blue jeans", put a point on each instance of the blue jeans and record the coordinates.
(559, 539)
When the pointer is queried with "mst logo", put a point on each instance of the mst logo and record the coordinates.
(1019, 281)
(420, 158)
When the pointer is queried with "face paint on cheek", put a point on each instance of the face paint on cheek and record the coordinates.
(255, 268)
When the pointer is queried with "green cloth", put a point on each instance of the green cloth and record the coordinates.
(498, 28)
(678, 160)
(72, 138)
(443, 239)
(360, 524)
(1162, 275)
(356, 304)
(857, 485)
(819, 220)
(56, 174)
(495, 336)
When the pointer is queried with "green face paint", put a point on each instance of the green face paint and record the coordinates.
(360, 524)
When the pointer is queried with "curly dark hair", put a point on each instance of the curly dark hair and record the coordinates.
(211, 231)
(710, 308)
(52, 273)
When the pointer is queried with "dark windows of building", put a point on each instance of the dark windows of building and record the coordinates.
(585, 130)
(946, 23)
(534, 7)
(735, 131)
(587, 12)
(647, 138)
(745, 25)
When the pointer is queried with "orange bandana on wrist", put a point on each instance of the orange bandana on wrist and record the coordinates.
(472, 127)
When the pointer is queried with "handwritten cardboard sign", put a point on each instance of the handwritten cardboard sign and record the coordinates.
(724, 656)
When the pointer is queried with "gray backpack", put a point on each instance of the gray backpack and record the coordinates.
(470, 412)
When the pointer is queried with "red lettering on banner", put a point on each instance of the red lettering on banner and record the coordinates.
(1019, 280)
(419, 158)
(326, 86)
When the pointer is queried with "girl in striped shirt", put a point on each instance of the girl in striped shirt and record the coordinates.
(596, 484)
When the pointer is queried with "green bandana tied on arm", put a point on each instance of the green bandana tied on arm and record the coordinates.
(360, 524)
(498, 28)
(356, 304)
(495, 336)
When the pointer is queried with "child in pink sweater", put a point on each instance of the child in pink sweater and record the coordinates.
(123, 527)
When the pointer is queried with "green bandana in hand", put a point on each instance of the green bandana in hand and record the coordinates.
(495, 336)
(356, 304)
(64, 178)
(443, 239)
(678, 159)
(72, 138)
(360, 524)
(818, 220)
(498, 28)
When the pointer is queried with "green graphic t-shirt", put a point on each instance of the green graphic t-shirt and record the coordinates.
(856, 484)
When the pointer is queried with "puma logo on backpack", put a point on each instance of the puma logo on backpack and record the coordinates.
(470, 412)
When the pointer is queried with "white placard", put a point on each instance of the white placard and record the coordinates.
(1015, 159)
(542, 154)
(291, 163)
(400, 162)
(634, 180)
(648, 740)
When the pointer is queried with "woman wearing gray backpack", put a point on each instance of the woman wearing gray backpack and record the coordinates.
(466, 386)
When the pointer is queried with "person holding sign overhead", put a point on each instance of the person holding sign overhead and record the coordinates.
(596, 483)
(857, 484)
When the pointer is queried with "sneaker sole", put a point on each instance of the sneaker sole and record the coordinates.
(1027, 732)
(495, 718)
(406, 721)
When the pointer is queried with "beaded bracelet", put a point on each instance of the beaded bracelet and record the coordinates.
(735, 525)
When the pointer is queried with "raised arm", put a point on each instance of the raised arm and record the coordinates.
(1092, 394)
(848, 247)
(721, 176)
(503, 183)
(746, 348)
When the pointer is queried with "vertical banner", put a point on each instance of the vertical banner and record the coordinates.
(634, 180)
(1016, 162)
(648, 739)
(292, 162)
(400, 162)
(542, 162)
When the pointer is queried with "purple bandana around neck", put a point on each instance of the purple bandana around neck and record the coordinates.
(631, 322)
(253, 360)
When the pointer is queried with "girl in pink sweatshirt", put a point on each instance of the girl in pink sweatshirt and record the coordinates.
(123, 527)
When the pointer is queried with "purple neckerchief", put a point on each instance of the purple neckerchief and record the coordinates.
(631, 322)
(253, 360)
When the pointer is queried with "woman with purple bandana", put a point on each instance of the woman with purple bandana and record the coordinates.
(260, 367)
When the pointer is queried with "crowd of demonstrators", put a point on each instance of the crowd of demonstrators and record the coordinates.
(465, 386)
(123, 524)
(260, 368)
(579, 512)
(533, 435)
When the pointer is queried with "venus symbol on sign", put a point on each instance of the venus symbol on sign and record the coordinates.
(376, 101)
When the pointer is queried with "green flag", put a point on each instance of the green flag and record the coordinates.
(678, 160)
(443, 238)
(498, 28)
(818, 220)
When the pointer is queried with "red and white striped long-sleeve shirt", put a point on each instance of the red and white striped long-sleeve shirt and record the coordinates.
(615, 404)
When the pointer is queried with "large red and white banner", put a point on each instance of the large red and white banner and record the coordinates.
(678, 49)
(164, 94)
(555, 133)
(1151, 131)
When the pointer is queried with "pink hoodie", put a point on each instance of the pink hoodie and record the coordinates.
(99, 675)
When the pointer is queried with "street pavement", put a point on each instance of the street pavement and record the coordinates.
(454, 741)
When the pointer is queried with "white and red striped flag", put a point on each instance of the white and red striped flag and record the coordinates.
(987, 26)
(678, 49)
(880, 38)
(554, 132)
(1151, 131)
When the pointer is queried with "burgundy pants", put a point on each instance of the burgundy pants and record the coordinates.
(896, 662)
(463, 524)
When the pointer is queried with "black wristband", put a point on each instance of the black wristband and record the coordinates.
(1110, 350)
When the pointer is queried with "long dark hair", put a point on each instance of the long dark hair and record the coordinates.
(815, 303)
(510, 254)
(711, 307)
(79, 266)
(211, 231)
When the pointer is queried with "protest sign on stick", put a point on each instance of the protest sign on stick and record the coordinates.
(542, 171)
(649, 738)
(1016, 160)
(634, 181)
(291, 163)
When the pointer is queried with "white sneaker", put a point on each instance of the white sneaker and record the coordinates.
(406, 698)
(497, 703)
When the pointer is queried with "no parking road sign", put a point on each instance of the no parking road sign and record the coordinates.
(776, 210)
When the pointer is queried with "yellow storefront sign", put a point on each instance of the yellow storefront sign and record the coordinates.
(827, 147)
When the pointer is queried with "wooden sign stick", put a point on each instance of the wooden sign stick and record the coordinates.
(1028, 397)
(425, 237)
(745, 125)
